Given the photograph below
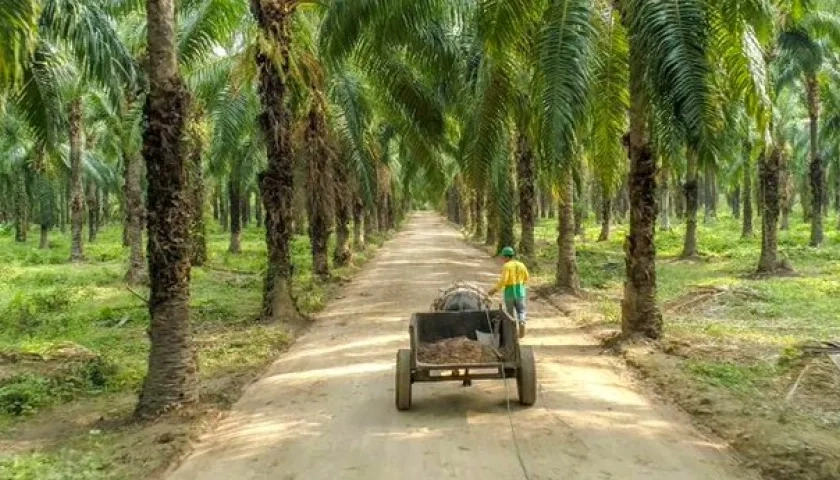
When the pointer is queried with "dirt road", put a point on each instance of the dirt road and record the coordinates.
(325, 410)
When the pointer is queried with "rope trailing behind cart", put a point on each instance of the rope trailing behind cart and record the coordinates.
(462, 296)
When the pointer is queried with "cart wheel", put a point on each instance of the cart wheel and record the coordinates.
(526, 377)
(403, 390)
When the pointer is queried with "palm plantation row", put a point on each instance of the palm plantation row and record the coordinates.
(339, 115)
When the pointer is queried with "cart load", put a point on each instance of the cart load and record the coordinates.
(460, 297)
(456, 350)
(464, 346)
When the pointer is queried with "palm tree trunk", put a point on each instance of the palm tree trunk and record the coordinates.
(358, 216)
(92, 208)
(713, 191)
(370, 223)
(473, 207)
(567, 277)
(678, 200)
(21, 206)
(274, 18)
(198, 230)
(44, 244)
(319, 188)
(258, 213)
(691, 190)
(451, 205)
(45, 193)
(105, 204)
(606, 218)
(124, 209)
(134, 218)
(747, 220)
(622, 204)
(544, 201)
(172, 378)
(506, 212)
(708, 202)
(836, 181)
(224, 209)
(64, 207)
(246, 208)
(77, 192)
(299, 223)
(235, 199)
(816, 170)
(769, 166)
(343, 213)
(480, 207)
(214, 201)
(382, 200)
(640, 314)
(580, 212)
(665, 209)
(525, 173)
(492, 223)
(736, 202)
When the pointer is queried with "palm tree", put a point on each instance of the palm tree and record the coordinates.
(276, 181)
(804, 44)
(196, 135)
(664, 53)
(607, 115)
(320, 185)
(17, 150)
(172, 377)
(75, 46)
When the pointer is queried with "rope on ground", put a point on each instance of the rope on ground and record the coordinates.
(513, 430)
(509, 411)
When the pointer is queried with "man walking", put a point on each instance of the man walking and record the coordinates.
(513, 283)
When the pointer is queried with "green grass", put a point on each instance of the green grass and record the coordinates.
(46, 303)
(745, 379)
(775, 314)
(64, 465)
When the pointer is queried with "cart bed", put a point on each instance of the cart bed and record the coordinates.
(431, 327)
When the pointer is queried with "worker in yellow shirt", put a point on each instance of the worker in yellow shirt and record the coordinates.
(513, 284)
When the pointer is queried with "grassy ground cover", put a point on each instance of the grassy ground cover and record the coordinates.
(73, 351)
(731, 352)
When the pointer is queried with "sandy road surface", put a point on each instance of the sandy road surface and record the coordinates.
(325, 410)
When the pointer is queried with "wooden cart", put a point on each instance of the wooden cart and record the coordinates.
(516, 361)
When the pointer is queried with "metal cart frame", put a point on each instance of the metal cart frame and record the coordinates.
(517, 360)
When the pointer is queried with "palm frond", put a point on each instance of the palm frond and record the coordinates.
(348, 22)
(40, 98)
(18, 22)
(564, 47)
(608, 104)
(92, 37)
(673, 35)
(486, 129)
(500, 21)
(407, 91)
(207, 24)
(352, 120)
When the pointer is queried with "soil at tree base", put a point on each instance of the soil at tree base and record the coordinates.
(325, 410)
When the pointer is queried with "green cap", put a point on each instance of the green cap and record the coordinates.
(508, 252)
